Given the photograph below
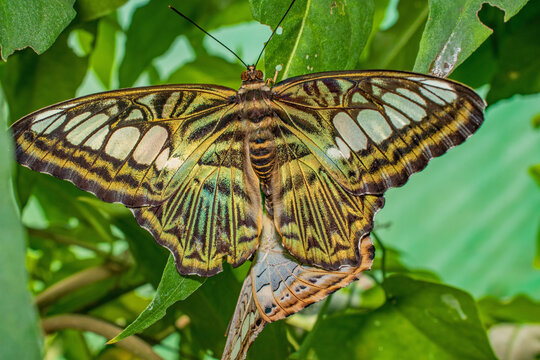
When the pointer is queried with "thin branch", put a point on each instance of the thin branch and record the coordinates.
(69, 240)
(73, 283)
(133, 344)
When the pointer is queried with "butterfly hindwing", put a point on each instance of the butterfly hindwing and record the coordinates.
(171, 153)
(277, 286)
(346, 134)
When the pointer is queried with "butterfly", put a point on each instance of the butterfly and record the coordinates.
(296, 171)
(191, 161)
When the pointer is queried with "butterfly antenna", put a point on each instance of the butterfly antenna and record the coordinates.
(207, 33)
(273, 32)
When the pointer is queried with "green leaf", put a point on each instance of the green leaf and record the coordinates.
(300, 48)
(171, 289)
(19, 333)
(93, 9)
(437, 321)
(453, 32)
(32, 82)
(33, 23)
(397, 47)
(520, 309)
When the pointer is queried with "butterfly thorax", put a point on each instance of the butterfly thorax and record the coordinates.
(254, 99)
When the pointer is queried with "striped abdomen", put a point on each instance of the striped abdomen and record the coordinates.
(262, 155)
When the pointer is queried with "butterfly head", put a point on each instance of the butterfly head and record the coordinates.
(251, 75)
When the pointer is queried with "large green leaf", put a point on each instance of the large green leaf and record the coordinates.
(19, 332)
(171, 289)
(316, 35)
(436, 321)
(453, 32)
(34, 23)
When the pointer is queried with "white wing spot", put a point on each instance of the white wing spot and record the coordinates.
(411, 95)
(438, 83)
(334, 153)
(122, 142)
(55, 124)
(44, 124)
(161, 160)
(349, 131)
(147, 100)
(446, 95)
(81, 132)
(343, 148)
(135, 115)
(358, 99)
(76, 120)
(398, 119)
(46, 114)
(431, 96)
(150, 145)
(411, 109)
(173, 163)
(374, 124)
(96, 141)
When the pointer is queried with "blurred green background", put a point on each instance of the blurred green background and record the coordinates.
(470, 221)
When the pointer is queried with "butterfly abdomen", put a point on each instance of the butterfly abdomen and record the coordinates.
(260, 122)
(262, 154)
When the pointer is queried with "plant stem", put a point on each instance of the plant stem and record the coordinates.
(133, 344)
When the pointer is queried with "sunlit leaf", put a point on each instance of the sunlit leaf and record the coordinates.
(453, 32)
(300, 49)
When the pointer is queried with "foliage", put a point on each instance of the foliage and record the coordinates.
(87, 257)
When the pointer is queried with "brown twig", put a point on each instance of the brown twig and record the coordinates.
(73, 283)
(132, 344)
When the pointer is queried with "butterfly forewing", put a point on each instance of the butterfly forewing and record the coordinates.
(173, 153)
(344, 134)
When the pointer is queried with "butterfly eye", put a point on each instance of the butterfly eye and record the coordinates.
(259, 75)
(244, 76)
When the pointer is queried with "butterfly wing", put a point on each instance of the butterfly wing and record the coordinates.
(170, 153)
(345, 134)
(277, 286)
